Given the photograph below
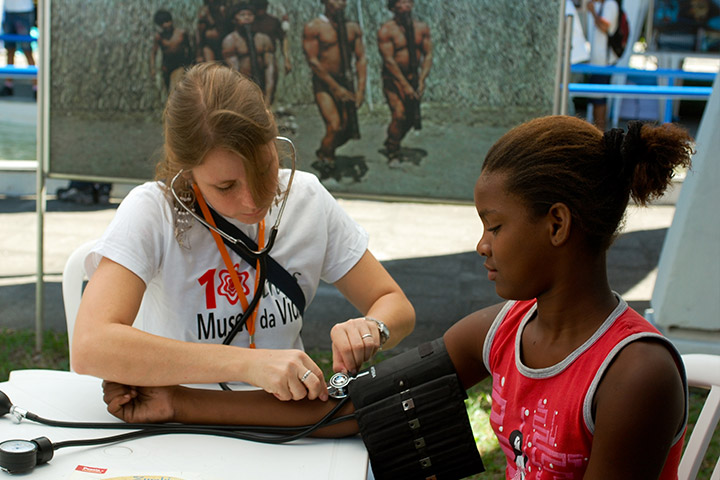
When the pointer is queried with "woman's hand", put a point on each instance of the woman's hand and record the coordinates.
(139, 404)
(287, 374)
(353, 343)
(372, 291)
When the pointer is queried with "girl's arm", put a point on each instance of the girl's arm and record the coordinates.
(217, 407)
(464, 342)
(639, 408)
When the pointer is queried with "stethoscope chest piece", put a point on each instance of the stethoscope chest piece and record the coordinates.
(17, 456)
(337, 386)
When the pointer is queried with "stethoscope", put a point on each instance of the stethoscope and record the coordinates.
(260, 255)
(18, 456)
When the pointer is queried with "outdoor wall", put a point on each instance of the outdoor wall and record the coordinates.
(686, 293)
(494, 67)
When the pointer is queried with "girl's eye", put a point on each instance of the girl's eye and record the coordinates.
(493, 229)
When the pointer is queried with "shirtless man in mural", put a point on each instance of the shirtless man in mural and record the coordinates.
(406, 50)
(275, 28)
(174, 44)
(330, 43)
(211, 29)
(250, 53)
(276, 25)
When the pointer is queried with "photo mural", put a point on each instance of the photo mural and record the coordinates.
(383, 98)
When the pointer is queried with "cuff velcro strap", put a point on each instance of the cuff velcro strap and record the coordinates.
(412, 417)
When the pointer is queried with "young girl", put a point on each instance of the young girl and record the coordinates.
(592, 387)
(583, 386)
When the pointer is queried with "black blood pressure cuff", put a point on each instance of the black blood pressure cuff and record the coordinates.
(412, 417)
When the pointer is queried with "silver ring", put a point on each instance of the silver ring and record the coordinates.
(305, 375)
(366, 336)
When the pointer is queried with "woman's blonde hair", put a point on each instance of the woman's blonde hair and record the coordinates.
(212, 107)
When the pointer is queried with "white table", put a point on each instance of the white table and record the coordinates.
(60, 395)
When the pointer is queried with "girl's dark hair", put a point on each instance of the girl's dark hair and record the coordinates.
(565, 159)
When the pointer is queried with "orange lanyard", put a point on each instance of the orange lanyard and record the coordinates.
(228, 263)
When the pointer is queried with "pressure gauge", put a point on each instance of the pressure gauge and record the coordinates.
(18, 456)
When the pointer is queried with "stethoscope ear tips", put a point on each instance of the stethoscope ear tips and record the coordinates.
(5, 404)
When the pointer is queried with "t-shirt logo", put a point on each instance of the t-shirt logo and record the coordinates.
(226, 287)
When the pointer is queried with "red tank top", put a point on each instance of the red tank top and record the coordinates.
(542, 417)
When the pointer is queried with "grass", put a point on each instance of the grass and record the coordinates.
(17, 352)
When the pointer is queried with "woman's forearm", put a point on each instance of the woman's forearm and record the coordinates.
(398, 315)
(107, 346)
(127, 355)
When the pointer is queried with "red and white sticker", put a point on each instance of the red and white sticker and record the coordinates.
(85, 468)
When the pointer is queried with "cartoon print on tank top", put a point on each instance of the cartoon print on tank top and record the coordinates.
(516, 440)
(532, 438)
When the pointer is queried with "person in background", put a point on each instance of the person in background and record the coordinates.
(579, 379)
(85, 193)
(603, 21)
(18, 20)
(579, 48)
(158, 264)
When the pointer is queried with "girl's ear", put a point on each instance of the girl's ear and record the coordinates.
(560, 222)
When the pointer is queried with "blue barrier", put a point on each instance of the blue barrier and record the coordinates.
(11, 71)
(669, 91)
(660, 72)
(11, 37)
(18, 72)
(657, 91)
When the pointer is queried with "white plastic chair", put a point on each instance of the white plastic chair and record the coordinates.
(73, 279)
(702, 371)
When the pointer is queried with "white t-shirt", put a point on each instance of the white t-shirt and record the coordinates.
(600, 53)
(190, 295)
(579, 48)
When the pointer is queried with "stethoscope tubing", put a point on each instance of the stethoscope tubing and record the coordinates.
(255, 433)
(262, 271)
